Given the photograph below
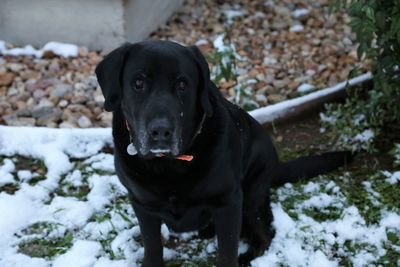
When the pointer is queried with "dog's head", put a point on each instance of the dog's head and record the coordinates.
(163, 91)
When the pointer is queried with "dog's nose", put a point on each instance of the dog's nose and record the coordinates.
(160, 129)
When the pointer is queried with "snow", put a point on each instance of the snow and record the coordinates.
(305, 88)
(392, 178)
(293, 246)
(296, 28)
(366, 136)
(74, 157)
(83, 254)
(219, 43)
(5, 172)
(24, 175)
(60, 49)
(299, 13)
(201, 42)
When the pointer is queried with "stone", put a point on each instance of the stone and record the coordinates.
(38, 94)
(261, 99)
(278, 84)
(84, 122)
(15, 67)
(66, 124)
(276, 98)
(12, 91)
(19, 121)
(63, 103)
(40, 84)
(61, 89)
(45, 112)
(6, 78)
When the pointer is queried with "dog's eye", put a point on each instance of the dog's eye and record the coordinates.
(139, 83)
(181, 85)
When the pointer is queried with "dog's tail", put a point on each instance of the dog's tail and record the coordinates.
(310, 166)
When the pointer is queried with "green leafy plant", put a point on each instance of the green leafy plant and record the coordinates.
(376, 25)
(224, 68)
(395, 152)
(224, 64)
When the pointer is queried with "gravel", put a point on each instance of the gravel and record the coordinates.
(284, 47)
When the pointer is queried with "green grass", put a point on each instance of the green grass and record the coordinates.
(38, 241)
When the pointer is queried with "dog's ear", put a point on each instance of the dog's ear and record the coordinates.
(108, 73)
(204, 80)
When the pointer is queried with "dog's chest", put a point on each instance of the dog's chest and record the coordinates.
(181, 216)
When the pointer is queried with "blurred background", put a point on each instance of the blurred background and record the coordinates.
(261, 52)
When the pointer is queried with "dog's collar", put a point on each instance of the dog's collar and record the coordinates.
(132, 150)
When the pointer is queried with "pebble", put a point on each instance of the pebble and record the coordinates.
(19, 121)
(261, 98)
(12, 91)
(38, 94)
(6, 78)
(275, 98)
(84, 122)
(61, 89)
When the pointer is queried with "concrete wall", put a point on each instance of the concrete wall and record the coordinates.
(98, 24)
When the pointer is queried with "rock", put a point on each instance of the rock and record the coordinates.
(63, 103)
(54, 67)
(279, 25)
(282, 11)
(81, 86)
(275, 98)
(12, 91)
(278, 84)
(42, 111)
(38, 94)
(83, 51)
(84, 122)
(19, 121)
(22, 109)
(45, 112)
(262, 99)
(105, 119)
(6, 78)
(15, 67)
(51, 115)
(61, 89)
(40, 84)
(66, 124)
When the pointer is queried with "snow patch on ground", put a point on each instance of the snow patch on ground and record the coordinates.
(105, 231)
(305, 88)
(60, 49)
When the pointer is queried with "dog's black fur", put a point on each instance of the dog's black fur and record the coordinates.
(225, 188)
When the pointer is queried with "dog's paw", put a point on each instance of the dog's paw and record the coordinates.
(245, 259)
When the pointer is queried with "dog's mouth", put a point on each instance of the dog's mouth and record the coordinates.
(160, 151)
(147, 149)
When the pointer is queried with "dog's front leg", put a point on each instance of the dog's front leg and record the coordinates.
(150, 228)
(228, 221)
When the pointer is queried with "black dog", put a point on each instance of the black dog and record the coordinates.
(201, 162)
